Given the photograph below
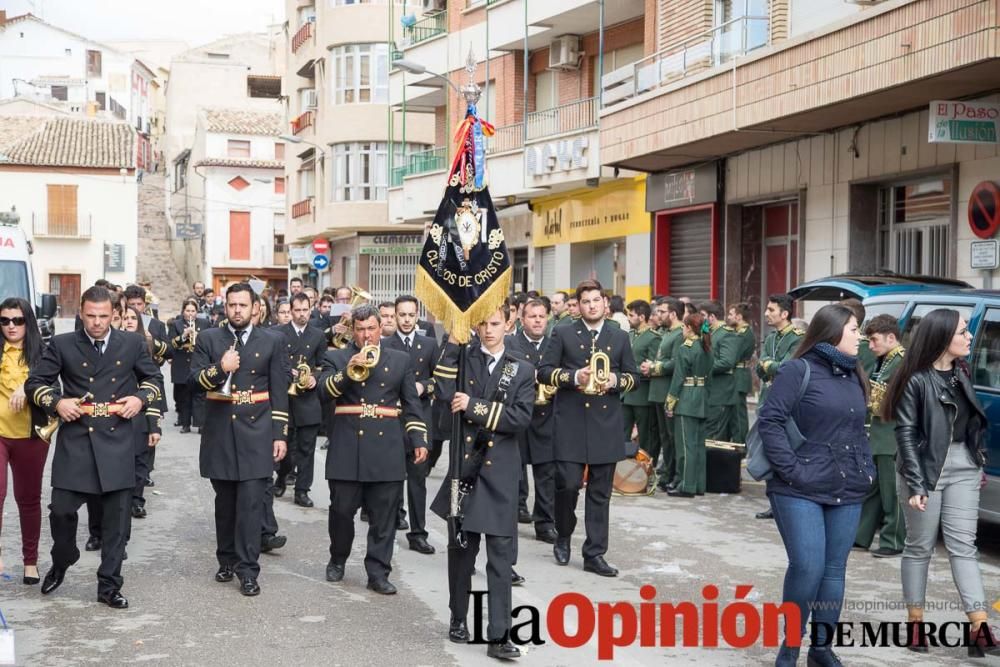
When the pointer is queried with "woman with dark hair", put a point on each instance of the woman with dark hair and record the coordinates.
(939, 432)
(184, 330)
(686, 403)
(20, 447)
(817, 490)
(146, 426)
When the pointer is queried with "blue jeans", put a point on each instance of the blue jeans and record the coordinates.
(817, 539)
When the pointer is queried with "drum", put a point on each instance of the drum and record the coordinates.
(634, 476)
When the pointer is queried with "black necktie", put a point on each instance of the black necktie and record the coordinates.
(406, 342)
(99, 346)
(538, 345)
(593, 334)
(239, 338)
(492, 363)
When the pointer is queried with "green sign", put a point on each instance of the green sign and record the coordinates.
(967, 131)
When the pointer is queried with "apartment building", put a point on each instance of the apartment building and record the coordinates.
(539, 64)
(791, 139)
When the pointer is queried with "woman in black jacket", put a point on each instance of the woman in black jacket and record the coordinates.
(939, 433)
(817, 490)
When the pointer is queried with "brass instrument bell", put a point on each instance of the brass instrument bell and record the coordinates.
(46, 432)
(360, 372)
(600, 372)
(545, 394)
(302, 382)
(358, 296)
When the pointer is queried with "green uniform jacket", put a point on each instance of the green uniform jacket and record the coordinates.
(662, 371)
(779, 346)
(725, 352)
(688, 394)
(644, 347)
(866, 356)
(748, 343)
(883, 434)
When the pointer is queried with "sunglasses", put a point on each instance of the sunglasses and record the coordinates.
(16, 321)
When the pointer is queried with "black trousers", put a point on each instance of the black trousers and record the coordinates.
(522, 489)
(543, 512)
(184, 404)
(143, 465)
(198, 410)
(416, 497)
(569, 479)
(499, 558)
(269, 525)
(239, 513)
(381, 499)
(435, 453)
(303, 455)
(115, 521)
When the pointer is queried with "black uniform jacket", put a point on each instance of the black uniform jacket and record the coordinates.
(536, 441)
(237, 438)
(589, 429)
(180, 362)
(95, 454)
(372, 447)
(492, 507)
(424, 355)
(311, 347)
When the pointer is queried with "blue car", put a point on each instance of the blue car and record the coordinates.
(909, 298)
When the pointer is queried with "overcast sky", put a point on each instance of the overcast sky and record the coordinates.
(193, 21)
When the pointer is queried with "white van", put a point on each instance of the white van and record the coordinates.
(17, 278)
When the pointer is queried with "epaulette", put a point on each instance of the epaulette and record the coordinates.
(689, 342)
(798, 332)
(728, 328)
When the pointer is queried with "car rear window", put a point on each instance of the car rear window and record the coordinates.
(921, 309)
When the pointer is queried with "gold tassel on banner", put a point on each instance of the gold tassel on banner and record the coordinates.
(457, 322)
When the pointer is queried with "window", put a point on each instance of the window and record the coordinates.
(279, 151)
(893, 309)
(93, 64)
(239, 235)
(546, 92)
(238, 148)
(102, 101)
(279, 185)
(307, 182)
(264, 86)
(360, 73)
(279, 243)
(920, 310)
(986, 352)
(60, 93)
(278, 223)
(914, 221)
(62, 215)
(360, 171)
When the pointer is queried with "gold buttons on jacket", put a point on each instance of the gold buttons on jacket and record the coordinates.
(468, 438)
(586, 405)
(361, 432)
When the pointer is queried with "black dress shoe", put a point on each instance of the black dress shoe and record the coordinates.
(382, 587)
(278, 490)
(421, 546)
(548, 536)
(598, 565)
(225, 574)
(885, 552)
(249, 587)
(271, 542)
(334, 572)
(503, 650)
(524, 516)
(401, 524)
(29, 581)
(93, 544)
(53, 579)
(677, 493)
(560, 549)
(766, 514)
(185, 429)
(138, 512)
(458, 631)
(302, 499)
(114, 599)
(515, 578)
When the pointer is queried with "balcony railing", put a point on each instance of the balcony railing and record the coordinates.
(715, 47)
(432, 159)
(427, 27)
(302, 35)
(506, 138)
(65, 227)
(302, 208)
(564, 118)
(396, 176)
(302, 122)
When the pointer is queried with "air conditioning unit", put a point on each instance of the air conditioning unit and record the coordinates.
(434, 6)
(564, 52)
(311, 99)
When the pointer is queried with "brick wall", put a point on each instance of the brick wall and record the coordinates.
(680, 20)
(507, 73)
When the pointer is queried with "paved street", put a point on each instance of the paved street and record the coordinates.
(180, 616)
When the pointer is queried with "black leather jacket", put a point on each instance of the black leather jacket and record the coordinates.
(925, 416)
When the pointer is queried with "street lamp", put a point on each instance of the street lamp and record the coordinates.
(414, 67)
(299, 140)
(470, 91)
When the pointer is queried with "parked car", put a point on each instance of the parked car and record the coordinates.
(910, 298)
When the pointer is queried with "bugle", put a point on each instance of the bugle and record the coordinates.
(360, 372)
(46, 432)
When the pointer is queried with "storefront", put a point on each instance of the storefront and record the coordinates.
(515, 221)
(389, 264)
(600, 233)
(687, 237)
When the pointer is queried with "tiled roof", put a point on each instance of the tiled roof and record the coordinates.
(66, 142)
(240, 162)
(239, 121)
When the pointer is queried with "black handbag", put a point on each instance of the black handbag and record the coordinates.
(757, 464)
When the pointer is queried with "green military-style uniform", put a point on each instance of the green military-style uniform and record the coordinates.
(779, 346)
(555, 320)
(660, 375)
(635, 404)
(881, 509)
(866, 356)
(740, 424)
(688, 401)
(722, 396)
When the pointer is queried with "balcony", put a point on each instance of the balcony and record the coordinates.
(506, 138)
(422, 162)
(302, 208)
(426, 28)
(396, 176)
(563, 119)
(304, 121)
(302, 35)
(62, 226)
(715, 47)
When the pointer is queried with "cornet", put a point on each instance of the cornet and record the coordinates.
(302, 382)
(46, 432)
(190, 335)
(545, 394)
(360, 372)
(358, 296)
(600, 371)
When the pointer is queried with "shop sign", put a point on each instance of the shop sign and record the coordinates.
(985, 255)
(299, 255)
(681, 188)
(391, 244)
(556, 156)
(609, 211)
(963, 122)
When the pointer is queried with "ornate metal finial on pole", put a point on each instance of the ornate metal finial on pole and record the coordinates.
(471, 91)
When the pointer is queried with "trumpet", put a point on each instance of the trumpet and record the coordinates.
(360, 372)
(190, 335)
(227, 387)
(358, 296)
(302, 382)
(46, 432)
(545, 394)
(600, 372)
